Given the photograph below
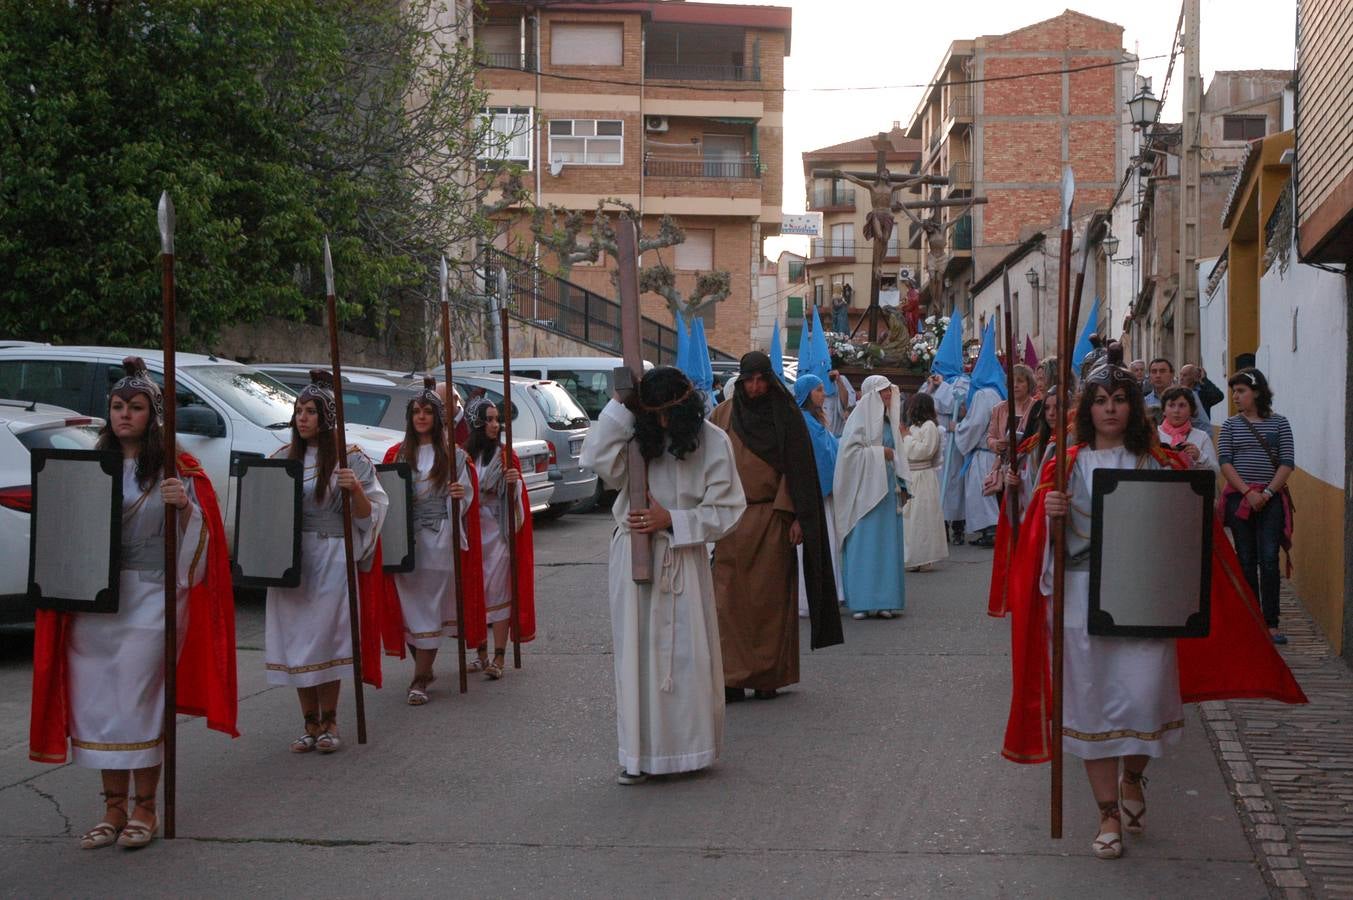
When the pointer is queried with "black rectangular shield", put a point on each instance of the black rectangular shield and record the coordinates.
(75, 536)
(267, 522)
(1151, 553)
(397, 536)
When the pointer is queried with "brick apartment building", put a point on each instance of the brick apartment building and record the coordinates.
(839, 260)
(1009, 139)
(675, 108)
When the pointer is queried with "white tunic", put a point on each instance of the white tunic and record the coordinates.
(668, 665)
(427, 595)
(308, 632)
(116, 661)
(493, 539)
(923, 520)
(1120, 695)
(970, 438)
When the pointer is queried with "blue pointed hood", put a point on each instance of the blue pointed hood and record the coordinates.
(702, 371)
(987, 373)
(1083, 346)
(948, 362)
(819, 357)
(682, 345)
(777, 356)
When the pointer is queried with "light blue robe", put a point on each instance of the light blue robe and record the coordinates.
(873, 563)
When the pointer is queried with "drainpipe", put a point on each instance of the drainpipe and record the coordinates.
(535, 247)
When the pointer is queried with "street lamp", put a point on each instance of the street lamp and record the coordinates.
(1144, 108)
(1110, 245)
(1031, 276)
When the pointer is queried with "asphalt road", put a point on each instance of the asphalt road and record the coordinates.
(878, 775)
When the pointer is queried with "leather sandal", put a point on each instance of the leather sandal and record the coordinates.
(138, 834)
(105, 833)
(328, 741)
(306, 742)
(1108, 844)
(495, 669)
(1134, 810)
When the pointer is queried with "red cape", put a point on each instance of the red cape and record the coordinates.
(206, 669)
(526, 567)
(998, 602)
(469, 572)
(1237, 658)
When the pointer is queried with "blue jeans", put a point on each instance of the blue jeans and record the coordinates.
(1258, 540)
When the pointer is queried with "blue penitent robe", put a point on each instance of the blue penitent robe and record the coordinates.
(873, 562)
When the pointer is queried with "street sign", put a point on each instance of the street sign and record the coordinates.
(809, 223)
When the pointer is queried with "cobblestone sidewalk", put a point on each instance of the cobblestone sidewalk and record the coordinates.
(1291, 767)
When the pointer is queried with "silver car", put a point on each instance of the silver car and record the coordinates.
(543, 410)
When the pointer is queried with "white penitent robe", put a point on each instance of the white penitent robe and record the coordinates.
(308, 633)
(1120, 695)
(427, 595)
(948, 405)
(116, 660)
(837, 408)
(668, 665)
(493, 538)
(923, 531)
(970, 438)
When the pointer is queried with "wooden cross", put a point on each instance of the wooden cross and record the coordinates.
(627, 379)
(882, 185)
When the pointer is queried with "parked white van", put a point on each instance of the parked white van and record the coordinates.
(223, 408)
(587, 378)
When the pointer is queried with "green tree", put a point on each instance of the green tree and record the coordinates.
(270, 122)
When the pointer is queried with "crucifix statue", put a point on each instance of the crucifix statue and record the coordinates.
(882, 186)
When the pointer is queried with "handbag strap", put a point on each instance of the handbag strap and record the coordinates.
(1272, 455)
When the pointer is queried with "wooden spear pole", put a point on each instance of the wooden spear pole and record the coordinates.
(331, 301)
(459, 585)
(510, 492)
(627, 379)
(1059, 482)
(171, 522)
(1012, 439)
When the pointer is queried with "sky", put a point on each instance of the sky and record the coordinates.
(870, 43)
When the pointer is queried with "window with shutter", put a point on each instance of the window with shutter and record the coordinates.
(586, 44)
(587, 142)
(697, 253)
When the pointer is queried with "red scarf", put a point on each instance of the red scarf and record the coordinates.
(1179, 434)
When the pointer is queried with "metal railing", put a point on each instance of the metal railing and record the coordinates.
(961, 105)
(833, 248)
(745, 167)
(525, 63)
(960, 175)
(548, 301)
(701, 72)
(934, 140)
(833, 197)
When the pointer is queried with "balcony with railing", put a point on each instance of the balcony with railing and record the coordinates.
(719, 167)
(700, 52)
(960, 176)
(524, 62)
(828, 250)
(831, 198)
(659, 71)
(962, 237)
(961, 105)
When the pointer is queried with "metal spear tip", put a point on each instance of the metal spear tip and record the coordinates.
(165, 214)
(443, 277)
(328, 268)
(1068, 194)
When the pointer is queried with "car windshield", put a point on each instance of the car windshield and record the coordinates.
(65, 437)
(260, 398)
(561, 412)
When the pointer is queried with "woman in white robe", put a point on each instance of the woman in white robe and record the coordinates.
(427, 595)
(115, 661)
(923, 519)
(669, 682)
(308, 634)
(1121, 700)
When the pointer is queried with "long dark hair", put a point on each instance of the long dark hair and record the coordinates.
(921, 409)
(667, 390)
(1140, 435)
(326, 442)
(149, 456)
(408, 451)
(1253, 379)
(479, 447)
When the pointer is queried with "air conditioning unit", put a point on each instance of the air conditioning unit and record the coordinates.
(655, 124)
(904, 274)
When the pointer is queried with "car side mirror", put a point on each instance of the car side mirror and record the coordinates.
(199, 420)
